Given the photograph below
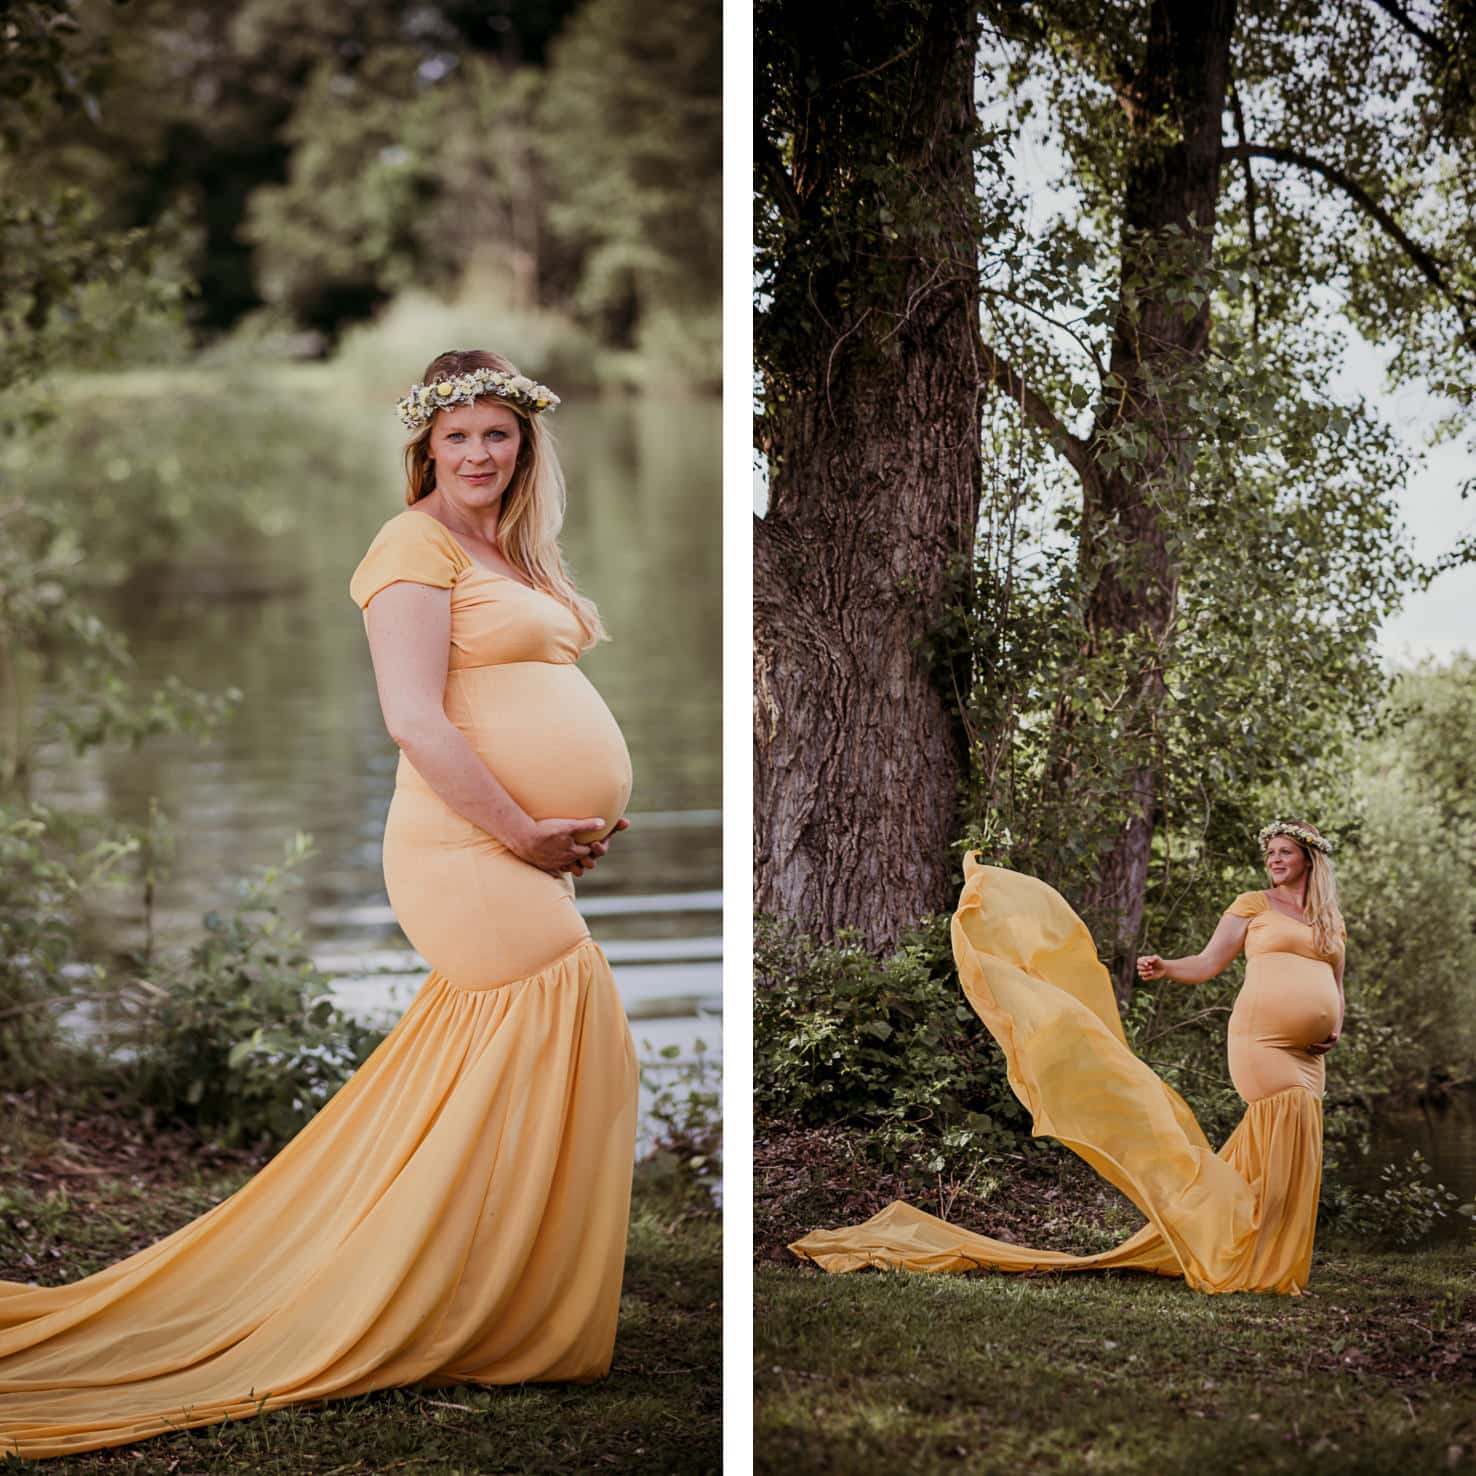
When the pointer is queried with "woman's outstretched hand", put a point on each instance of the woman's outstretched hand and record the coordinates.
(1151, 966)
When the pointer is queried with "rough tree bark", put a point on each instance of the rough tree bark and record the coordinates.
(868, 348)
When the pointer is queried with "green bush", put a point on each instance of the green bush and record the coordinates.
(415, 325)
(1409, 899)
(685, 1161)
(886, 1045)
(1401, 1212)
(44, 871)
(238, 1036)
(681, 352)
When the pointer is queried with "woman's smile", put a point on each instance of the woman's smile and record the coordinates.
(476, 446)
(1285, 864)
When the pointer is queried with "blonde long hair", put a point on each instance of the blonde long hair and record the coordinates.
(1321, 905)
(532, 511)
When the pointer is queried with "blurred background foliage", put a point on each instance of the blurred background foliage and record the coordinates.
(296, 167)
(235, 222)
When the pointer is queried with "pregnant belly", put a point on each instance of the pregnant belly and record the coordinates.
(1288, 1000)
(547, 735)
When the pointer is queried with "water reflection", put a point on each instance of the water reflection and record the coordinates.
(1444, 1134)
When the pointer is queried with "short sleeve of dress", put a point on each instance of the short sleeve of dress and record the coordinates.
(414, 547)
(1248, 904)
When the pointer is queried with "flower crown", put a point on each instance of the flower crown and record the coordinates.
(417, 408)
(1297, 833)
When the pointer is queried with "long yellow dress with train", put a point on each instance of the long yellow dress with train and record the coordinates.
(1241, 1219)
(457, 1212)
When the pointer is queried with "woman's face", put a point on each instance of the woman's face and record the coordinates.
(475, 451)
(1286, 864)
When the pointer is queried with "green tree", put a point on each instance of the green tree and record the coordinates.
(68, 286)
(630, 125)
(201, 112)
(1190, 534)
(1208, 166)
(397, 182)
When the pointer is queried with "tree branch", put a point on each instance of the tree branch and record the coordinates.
(1001, 376)
(1408, 22)
(769, 161)
(1088, 44)
(1082, 343)
(1250, 211)
(1426, 264)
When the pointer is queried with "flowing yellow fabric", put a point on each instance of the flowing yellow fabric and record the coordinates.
(1241, 1219)
(457, 1212)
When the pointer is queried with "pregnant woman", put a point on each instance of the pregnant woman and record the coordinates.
(1239, 1220)
(457, 1213)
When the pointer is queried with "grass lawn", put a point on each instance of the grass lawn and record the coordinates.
(1374, 1373)
(1113, 1374)
(78, 1191)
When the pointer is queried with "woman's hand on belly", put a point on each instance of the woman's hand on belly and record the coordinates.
(597, 848)
(1322, 1047)
(550, 845)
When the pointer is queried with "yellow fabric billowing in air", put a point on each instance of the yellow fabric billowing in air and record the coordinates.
(458, 1211)
(1241, 1219)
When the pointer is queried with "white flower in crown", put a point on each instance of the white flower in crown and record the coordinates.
(418, 407)
(1296, 832)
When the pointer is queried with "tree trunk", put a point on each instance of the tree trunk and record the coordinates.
(1128, 564)
(868, 350)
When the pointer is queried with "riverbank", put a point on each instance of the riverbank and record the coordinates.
(80, 1187)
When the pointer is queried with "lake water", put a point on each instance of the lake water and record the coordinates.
(280, 507)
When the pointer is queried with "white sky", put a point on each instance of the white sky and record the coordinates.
(1440, 620)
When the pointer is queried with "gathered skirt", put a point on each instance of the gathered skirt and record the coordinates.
(1240, 1219)
(456, 1213)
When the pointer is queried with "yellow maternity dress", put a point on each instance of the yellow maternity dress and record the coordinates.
(1241, 1219)
(457, 1212)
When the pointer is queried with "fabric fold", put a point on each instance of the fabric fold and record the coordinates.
(457, 1212)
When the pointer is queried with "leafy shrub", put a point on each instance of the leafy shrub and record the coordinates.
(239, 1035)
(889, 1045)
(680, 351)
(686, 1110)
(1403, 1211)
(543, 343)
(36, 938)
(45, 868)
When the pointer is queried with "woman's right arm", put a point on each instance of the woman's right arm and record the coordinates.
(1215, 956)
(409, 629)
